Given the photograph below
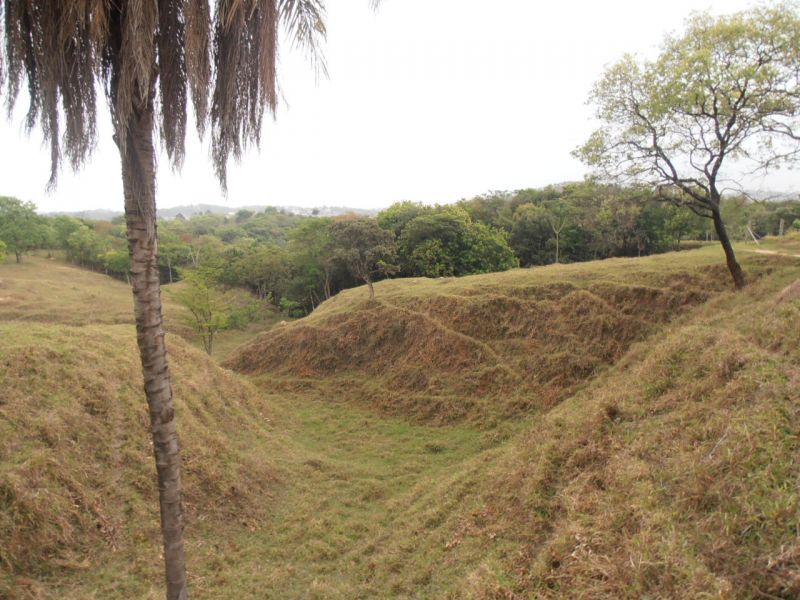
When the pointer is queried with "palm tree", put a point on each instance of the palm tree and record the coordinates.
(148, 57)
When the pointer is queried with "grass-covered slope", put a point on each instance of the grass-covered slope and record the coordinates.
(49, 290)
(674, 474)
(77, 479)
(667, 467)
(482, 347)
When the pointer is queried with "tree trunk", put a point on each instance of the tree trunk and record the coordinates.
(208, 342)
(327, 286)
(730, 257)
(557, 248)
(18, 254)
(138, 177)
(169, 268)
(371, 290)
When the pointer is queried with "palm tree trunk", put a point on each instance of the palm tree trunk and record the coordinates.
(138, 176)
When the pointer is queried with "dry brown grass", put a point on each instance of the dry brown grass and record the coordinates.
(76, 475)
(479, 349)
(664, 465)
(673, 475)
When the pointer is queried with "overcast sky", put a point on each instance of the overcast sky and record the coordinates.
(427, 100)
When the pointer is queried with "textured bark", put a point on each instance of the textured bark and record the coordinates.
(730, 257)
(138, 175)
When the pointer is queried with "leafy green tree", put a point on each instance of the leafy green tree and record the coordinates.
(680, 224)
(722, 95)
(264, 269)
(117, 263)
(85, 247)
(313, 265)
(2, 251)
(147, 57)
(446, 242)
(173, 252)
(493, 208)
(208, 307)
(21, 229)
(63, 226)
(530, 233)
(398, 215)
(364, 248)
(487, 250)
(431, 259)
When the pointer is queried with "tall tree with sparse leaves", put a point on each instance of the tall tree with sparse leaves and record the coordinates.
(149, 57)
(721, 99)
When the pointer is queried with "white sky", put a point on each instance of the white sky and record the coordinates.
(427, 100)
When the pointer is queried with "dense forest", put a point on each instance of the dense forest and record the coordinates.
(295, 262)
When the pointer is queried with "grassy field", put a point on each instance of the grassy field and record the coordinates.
(49, 290)
(424, 446)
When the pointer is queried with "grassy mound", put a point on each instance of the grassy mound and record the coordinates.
(485, 347)
(77, 478)
(672, 475)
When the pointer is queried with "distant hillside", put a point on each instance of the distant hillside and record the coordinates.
(189, 210)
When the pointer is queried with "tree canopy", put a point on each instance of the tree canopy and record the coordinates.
(21, 229)
(721, 99)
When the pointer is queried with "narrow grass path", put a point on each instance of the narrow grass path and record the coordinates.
(345, 473)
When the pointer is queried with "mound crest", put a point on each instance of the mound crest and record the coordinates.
(77, 479)
(460, 349)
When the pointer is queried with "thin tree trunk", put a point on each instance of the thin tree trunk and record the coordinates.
(327, 286)
(209, 343)
(371, 290)
(730, 257)
(169, 268)
(138, 175)
(557, 248)
(19, 256)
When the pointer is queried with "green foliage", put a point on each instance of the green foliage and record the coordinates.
(315, 275)
(62, 226)
(21, 229)
(117, 263)
(292, 308)
(262, 268)
(398, 215)
(208, 306)
(2, 251)
(446, 242)
(85, 247)
(363, 248)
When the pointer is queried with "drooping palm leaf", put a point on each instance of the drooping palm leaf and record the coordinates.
(225, 58)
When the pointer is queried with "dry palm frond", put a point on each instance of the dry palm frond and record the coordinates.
(305, 23)
(149, 55)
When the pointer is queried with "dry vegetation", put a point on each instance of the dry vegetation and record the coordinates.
(661, 462)
(481, 348)
(76, 477)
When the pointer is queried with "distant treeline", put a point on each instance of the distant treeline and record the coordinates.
(296, 261)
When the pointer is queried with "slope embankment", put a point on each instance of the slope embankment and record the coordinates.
(480, 348)
(77, 478)
(671, 474)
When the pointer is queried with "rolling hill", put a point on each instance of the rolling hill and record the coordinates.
(618, 429)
